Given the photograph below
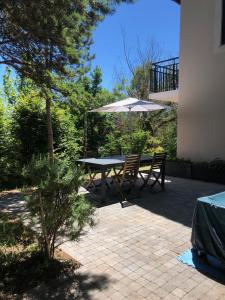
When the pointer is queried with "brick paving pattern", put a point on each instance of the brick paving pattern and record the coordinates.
(131, 252)
(135, 248)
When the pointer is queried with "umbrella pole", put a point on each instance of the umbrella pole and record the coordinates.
(85, 134)
(129, 121)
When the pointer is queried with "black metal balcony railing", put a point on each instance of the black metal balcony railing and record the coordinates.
(164, 75)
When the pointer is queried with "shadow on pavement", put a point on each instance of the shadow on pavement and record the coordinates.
(81, 286)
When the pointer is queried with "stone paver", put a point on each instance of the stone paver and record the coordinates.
(137, 246)
(131, 252)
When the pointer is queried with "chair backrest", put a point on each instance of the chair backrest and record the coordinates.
(158, 161)
(131, 166)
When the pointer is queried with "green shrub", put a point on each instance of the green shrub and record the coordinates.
(55, 203)
(8, 164)
(137, 142)
(111, 146)
(153, 145)
(29, 129)
(134, 142)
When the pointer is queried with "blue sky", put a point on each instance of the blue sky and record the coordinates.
(145, 20)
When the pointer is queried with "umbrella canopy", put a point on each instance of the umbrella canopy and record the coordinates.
(129, 105)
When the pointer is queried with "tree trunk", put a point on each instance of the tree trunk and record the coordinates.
(50, 131)
(44, 230)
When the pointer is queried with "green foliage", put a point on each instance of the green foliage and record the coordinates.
(30, 133)
(48, 42)
(40, 38)
(139, 86)
(112, 145)
(154, 145)
(8, 164)
(96, 80)
(23, 123)
(85, 95)
(169, 139)
(55, 203)
(23, 130)
(134, 142)
(9, 87)
(29, 126)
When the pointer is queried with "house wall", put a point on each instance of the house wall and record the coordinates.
(201, 109)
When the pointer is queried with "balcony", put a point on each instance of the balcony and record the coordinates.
(164, 80)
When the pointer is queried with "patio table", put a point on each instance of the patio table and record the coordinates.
(208, 227)
(106, 163)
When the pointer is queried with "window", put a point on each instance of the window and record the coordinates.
(223, 23)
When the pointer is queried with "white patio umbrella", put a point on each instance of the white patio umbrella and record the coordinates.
(129, 105)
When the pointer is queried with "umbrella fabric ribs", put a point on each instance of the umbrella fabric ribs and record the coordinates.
(129, 105)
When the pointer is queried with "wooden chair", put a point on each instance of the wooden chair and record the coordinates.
(118, 169)
(128, 175)
(156, 172)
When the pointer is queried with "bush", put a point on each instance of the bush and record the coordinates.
(23, 133)
(8, 165)
(29, 129)
(169, 140)
(111, 146)
(134, 143)
(55, 202)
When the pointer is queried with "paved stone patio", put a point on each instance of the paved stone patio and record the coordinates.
(131, 252)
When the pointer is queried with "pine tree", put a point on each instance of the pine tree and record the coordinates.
(46, 40)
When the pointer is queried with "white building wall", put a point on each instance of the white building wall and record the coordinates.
(201, 109)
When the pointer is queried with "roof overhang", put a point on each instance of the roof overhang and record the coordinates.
(177, 1)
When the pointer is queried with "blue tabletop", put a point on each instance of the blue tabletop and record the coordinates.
(101, 161)
(110, 161)
(217, 200)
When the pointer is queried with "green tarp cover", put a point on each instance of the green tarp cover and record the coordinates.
(208, 226)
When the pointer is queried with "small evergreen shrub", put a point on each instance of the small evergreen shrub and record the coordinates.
(54, 202)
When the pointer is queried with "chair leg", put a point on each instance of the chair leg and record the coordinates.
(145, 180)
(157, 178)
(91, 180)
(122, 198)
(132, 185)
(117, 173)
(111, 180)
(144, 184)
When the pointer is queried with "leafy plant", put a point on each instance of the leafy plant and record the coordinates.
(55, 203)
(111, 146)
(134, 142)
(169, 139)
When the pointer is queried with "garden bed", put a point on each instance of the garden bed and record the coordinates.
(22, 266)
(213, 171)
(178, 169)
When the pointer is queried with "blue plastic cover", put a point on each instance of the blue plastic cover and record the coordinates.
(208, 226)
